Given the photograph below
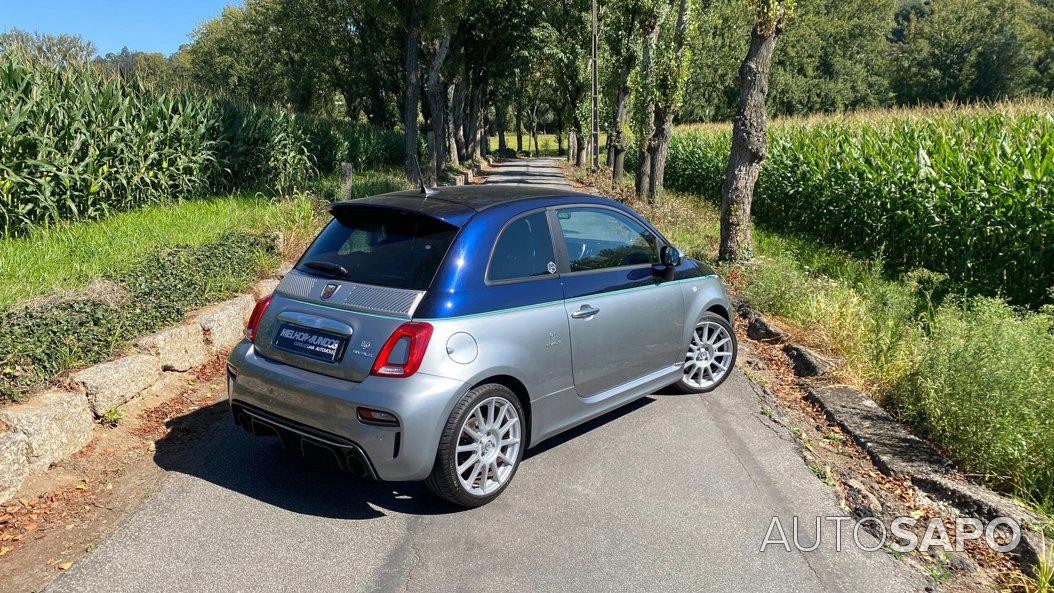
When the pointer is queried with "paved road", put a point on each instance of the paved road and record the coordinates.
(673, 493)
(541, 171)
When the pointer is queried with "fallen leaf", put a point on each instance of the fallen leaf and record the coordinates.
(5, 549)
(65, 565)
(31, 527)
(82, 486)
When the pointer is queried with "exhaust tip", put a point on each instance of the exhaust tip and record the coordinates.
(357, 466)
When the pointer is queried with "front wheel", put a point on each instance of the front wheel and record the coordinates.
(710, 357)
(481, 447)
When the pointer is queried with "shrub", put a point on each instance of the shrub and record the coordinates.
(967, 193)
(983, 390)
(37, 342)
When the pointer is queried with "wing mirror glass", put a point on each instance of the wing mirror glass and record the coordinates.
(670, 256)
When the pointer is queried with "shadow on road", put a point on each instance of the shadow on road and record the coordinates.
(207, 445)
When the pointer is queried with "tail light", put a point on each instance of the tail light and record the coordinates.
(254, 319)
(402, 354)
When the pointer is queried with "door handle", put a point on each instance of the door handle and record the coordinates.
(585, 312)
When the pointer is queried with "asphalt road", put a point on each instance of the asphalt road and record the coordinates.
(530, 172)
(673, 493)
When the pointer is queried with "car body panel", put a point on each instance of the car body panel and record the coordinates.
(520, 333)
(634, 331)
(330, 404)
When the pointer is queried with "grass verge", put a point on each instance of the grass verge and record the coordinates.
(69, 256)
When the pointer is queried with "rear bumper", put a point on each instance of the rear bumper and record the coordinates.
(316, 410)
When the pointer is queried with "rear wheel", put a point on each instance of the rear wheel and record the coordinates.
(481, 447)
(710, 357)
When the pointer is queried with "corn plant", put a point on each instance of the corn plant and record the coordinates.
(967, 193)
(79, 143)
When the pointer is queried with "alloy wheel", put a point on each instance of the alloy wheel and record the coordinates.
(709, 355)
(488, 446)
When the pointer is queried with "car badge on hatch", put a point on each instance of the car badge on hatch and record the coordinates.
(329, 290)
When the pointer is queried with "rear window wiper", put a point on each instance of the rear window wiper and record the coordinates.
(329, 268)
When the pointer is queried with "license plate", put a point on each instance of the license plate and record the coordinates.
(311, 343)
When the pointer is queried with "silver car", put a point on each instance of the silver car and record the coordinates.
(435, 336)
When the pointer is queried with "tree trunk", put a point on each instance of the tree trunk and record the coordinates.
(501, 122)
(474, 120)
(617, 141)
(572, 145)
(519, 128)
(582, 156)
(534, 124)
(451, 127)
(664, 112)
(749, 148)
(437, 106)
(457, 118)
(657, 151)
(411, 105)
(647, 123)
(485, 131)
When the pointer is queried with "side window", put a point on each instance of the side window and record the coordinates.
(524, 249)
(598, 238)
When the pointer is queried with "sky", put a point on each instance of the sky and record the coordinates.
(143, 25)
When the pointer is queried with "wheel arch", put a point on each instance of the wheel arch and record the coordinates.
(520, 391)
(721, 310)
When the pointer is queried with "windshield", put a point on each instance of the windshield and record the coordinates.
(381, 247)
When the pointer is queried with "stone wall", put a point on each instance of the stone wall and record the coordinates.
(54, 425)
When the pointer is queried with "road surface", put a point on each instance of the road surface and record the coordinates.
(542, 171)
(673, 493)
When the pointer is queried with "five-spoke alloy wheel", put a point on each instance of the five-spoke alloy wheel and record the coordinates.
(711, 355)
(480, 448)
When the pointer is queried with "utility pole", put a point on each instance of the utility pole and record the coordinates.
(596, 107)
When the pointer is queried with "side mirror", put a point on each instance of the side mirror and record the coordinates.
(670, 256)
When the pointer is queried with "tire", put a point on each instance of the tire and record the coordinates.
(706, 371)
(472, 487)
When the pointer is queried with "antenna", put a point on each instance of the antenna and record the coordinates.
(425, 191)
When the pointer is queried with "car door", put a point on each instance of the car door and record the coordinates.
(625, 322)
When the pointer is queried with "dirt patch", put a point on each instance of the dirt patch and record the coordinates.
(61, 515)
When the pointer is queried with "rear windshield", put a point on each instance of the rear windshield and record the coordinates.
(380, 247)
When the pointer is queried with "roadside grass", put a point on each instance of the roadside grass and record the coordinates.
(973, 375)
(69, 256)
(77, 294)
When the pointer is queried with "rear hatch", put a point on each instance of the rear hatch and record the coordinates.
(360, 280)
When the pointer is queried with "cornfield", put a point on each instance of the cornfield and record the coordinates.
(78, 143)
(968, 193)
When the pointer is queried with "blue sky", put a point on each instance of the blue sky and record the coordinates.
(142, 25)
